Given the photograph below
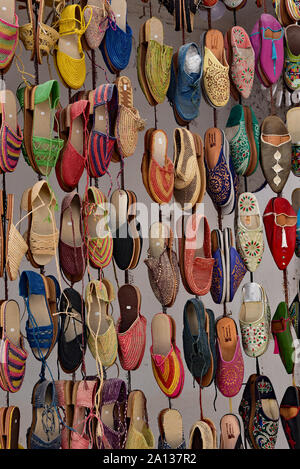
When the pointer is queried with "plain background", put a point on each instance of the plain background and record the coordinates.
(267, 274)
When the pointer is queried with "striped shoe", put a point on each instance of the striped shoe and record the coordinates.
(96, 229)
(12, 352)
(101, 142)
(11, 136)
(131, 328)
(9, 36)
(166, 361)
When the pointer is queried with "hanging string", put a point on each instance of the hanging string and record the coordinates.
(200, 402)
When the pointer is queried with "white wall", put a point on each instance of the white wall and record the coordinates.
(267, 274)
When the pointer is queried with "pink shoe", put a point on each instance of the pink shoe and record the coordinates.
(230, 370)
(64, 396)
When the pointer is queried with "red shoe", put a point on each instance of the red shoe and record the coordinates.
(280, 224)
(73, 130)
(131, 328)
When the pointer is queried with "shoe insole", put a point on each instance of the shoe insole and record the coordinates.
(251, 222)
(136, 410)
(159, 147)
(119, 8)
(7, 11)
(7, 98)
(47, 424)
(270, 408)
(230, 431)
(125, 92)
(215, 42)
(199, 248)
(129, 300)
(42, 126)
(43, 221)
(41, 315)
(197, 442)
(269, 34)
(98, 322)
(69, 44)
(154, 30)
(79, 411)
(12, 322)
(292, 122)
(73, 326)
(192, 320)
(227, 335)
(161, 335)
(285, 220)
(107, 415)
(158, 235)
(12, 427)
(100, 124)
(251, 311)
(71, 221)
(76, 137)
(213, 146)
(172, 425)
(276, 139)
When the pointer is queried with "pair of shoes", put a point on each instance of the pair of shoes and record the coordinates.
(184, 93)
(230, 437)
(11, 136)
(77, 399)
(289, 415)
(259, 412)
(131, 328)
(221, 179)
(276, 149)
(139, 434)
(12, 348)
(72, 338)
(243, 134)
(126, 230)
(203, 435)
(153, 62)
(216, 82)
(230, 368)
(229, 269)
(117, 43)
(171, 430)
(255, 320)
(284, 341)
(166, 359)
(199, 341)
(162, 263)
(157, 169)
(9, 427)
(41, 295)
(39, 147)
(240, 58)
(44, 402)
(190, 176)
(280, 226)
(195, 259)
(267, 42)
(249, 233)
(102, 337)
(292, 117)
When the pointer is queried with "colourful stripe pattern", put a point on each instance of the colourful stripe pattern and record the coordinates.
(169, 372)
(101, 146)
(10, 148)
(13, 364)
(132, 344)
(8, 41)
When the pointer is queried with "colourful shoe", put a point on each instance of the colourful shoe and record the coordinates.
(139, 434)
(102, 141)
(243, 134)
(292, 57)
(255, 320)
(249, 236)
(241, 60)
(230, 432)
(230, 370)
(11, 136)
(235, 268)
(131, 328)
(83, 403)
(97, 18)
(166, 361)
(96, 229)
(219, 278)
(284, 342)
(9, 35)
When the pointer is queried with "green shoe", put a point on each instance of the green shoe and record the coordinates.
(281, 330)
(292, 57)
(243, 134)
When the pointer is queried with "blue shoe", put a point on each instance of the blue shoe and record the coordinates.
(117, 43)
(218, 284)
(184, 92)
(41, 295)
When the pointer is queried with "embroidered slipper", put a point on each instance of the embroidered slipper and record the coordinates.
(241, 60)
(9, 33)
(41, 295)
(139, 434)
(235, 268)
(292, 117)
(64, 391)
(44, 433)
(12, 428)
(71, 246)
(10, 133)
(230, 432)
(73, 130)
(46, 37)
(96, 228)
(102, 141)
(219, 274)
(131, 328)
(42, 234)
(123, 245)
(216, 83)
(292, 57)
(171, 430)
(166, 360)
(12, 348)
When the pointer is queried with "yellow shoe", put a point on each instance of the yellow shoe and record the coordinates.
(69, 57)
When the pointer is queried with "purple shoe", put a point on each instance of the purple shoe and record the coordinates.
(218, 284)
(235, 267)
(267, 42)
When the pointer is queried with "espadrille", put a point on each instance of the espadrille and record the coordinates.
(171, 430)
(9, 35)
(11, 136)
(139, 434)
